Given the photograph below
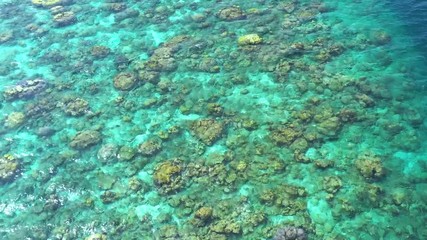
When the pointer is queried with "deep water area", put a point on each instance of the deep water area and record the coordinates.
(211, 120)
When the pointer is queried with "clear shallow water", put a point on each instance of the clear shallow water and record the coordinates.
(166, 120)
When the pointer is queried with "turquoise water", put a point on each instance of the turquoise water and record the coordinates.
(213, 119)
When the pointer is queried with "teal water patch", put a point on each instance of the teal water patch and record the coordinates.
(202, 120)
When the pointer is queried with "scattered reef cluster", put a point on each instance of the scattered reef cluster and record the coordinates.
(195, 120)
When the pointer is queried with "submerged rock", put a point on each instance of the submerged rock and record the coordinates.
(64, 18)
(370, 167)
(84, 139)
(150, 147)
(207, 130)
(124, 81)
(6, 36)
(126, 153)
(107, 152)
(96, 236)
(249, 39)
(9, 167)
(76, 107)
(290, 233)
(168, 175)
(165, 172)
(46, 3)
(14, 120)
(99, 51)
(45, 131)
(231, 13)
(25, 89)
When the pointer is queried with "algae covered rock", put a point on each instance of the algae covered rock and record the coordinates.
(126, 153)
(109, 197)
(84, 139)
(207, 130)
(6, 36)
(96, 236)
(150, 147)
(107, 152)
(76, 107)
(148, 76)
(25, 89)
(329, 127)
(168, 176)
(370, 167)
(9, 167)
(224, 226)
(231, 13)
(100, 51)
(204, 213)
(124, 81)
(64, 18)
(290, 233)
(249, 39)
(165, 172)
(332, 184)
(285, 135)
(15, 119)
(46, 3)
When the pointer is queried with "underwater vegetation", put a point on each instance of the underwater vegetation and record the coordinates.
(163, 119)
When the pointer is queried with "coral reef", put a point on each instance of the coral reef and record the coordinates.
(249, 39)
(46, 3)
(96, 236)
(285, 135)
(150, 147)
(290, 233)
(370, 167)
(167, 175)
(76, 107)
(9, 167)
(165, 171)
(25, 89)
(6, 36)
(64, 19)
(124, 81)
(84, 139)
(210, 120)
(126, 153)
(99, 51)
(231, 13)
(107, 152)
(204, 213)
(207, 130)
(14, 120)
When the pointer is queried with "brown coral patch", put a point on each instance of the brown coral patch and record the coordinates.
(231, 13)
(207, 130)
(84, 139)
(370, 167)
(285, 135)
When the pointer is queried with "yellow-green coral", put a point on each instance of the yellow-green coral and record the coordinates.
(207, 130)
(370, 167)
(285, 135)
(204, 213)
(46, 3)
(14, 120)
(249, 39)
(9, 167)
(97, 236)
(164, 172)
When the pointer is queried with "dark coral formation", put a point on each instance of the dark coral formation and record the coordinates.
(25, 89)
(207, 130)
(84, 139)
